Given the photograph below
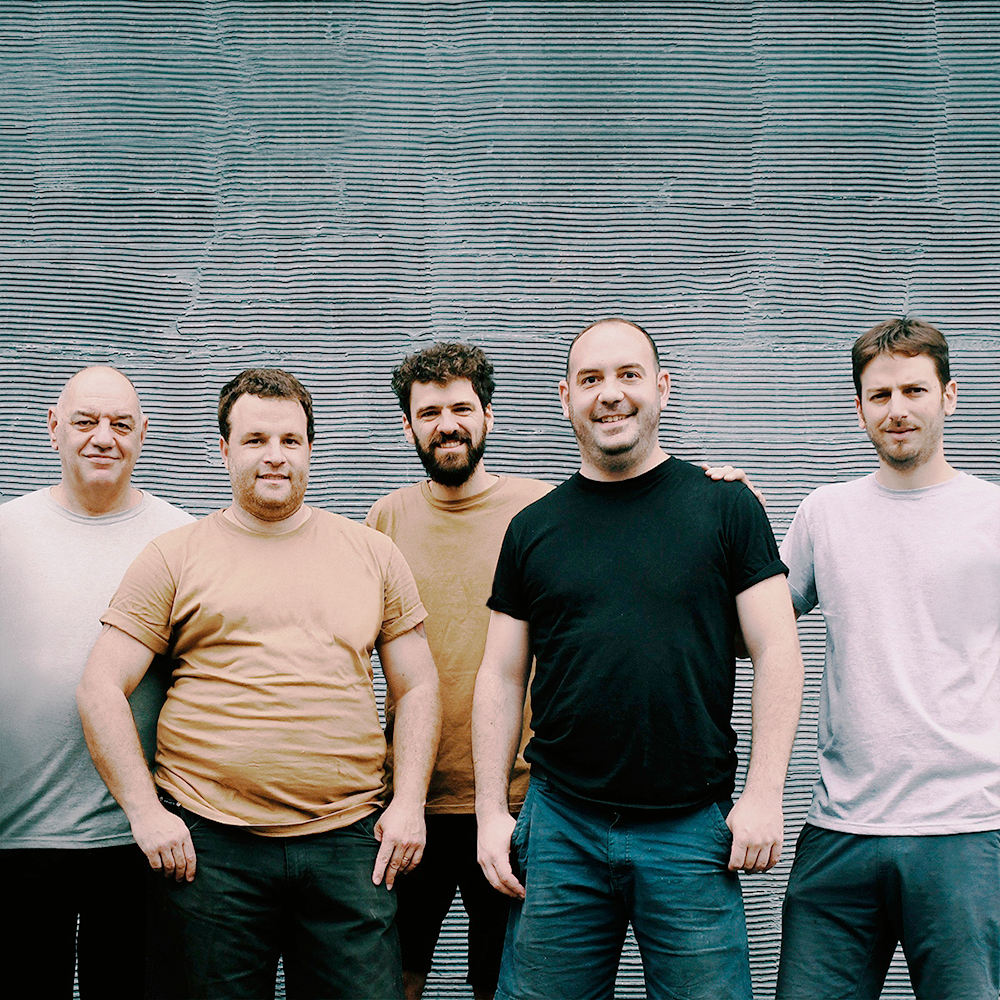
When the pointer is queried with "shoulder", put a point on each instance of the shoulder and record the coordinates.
(386, 508)
(167, 514)
(27, 505)
(335, 529)
(974, 486)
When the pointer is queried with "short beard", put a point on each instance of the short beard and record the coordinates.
(448, 475)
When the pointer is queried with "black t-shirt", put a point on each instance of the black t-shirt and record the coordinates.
(629, 589)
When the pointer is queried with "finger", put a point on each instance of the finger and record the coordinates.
(381, 861)
(179, 862)
(190, 858)
(737, 856)
(774, 856)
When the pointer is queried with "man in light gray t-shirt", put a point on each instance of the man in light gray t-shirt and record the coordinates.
(902, 842)
(67, 847)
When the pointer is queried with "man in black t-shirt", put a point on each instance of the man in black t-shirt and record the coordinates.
(629, 584)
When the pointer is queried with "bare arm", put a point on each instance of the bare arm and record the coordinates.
(116, 665)
(497, 718)
(413, 682)
(756, 820)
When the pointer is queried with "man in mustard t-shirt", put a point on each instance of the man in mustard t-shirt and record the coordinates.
(450, 527)
(269, 765)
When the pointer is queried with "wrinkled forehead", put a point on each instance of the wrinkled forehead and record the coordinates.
(889, 369)
(102, 391)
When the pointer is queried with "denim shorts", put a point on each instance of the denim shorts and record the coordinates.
(589, 871)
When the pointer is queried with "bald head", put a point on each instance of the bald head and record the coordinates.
(102, 380)
(97, 426)
(609, 324)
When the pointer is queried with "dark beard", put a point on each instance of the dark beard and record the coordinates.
(452, 475)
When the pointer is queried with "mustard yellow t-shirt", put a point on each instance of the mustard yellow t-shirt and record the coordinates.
(452, 548)
(270, 720)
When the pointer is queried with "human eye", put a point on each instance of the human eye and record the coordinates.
(123, 426)
(84, 422)
(631, 376)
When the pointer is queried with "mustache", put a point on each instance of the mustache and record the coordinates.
(461, 436)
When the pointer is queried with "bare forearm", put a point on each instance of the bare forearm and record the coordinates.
(497, 718)
(114, 746)
(415, 741)
(775, 704)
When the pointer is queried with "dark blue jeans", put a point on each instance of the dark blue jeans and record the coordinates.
(589, 871)
(851, 898)
(309, 899)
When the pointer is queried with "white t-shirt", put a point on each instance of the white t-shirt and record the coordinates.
(909, 718)
(58, 571)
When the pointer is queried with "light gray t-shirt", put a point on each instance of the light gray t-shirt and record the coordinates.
(909, 717)
(58, 571)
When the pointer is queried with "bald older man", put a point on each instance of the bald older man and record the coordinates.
(67, 849)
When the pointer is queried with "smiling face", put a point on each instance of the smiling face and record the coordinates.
(613, 396)
(267, 456)
(902, 407)
(448, 428)
(97, 426)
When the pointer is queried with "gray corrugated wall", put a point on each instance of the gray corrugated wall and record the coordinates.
(192, 186)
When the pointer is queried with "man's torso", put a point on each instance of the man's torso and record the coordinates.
(452, 549)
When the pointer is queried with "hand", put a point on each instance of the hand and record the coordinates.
(402, 833)
(731, 475)
(494, 854)
(166, 841)
(758, 832)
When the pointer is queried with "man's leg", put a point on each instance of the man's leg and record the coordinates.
(224, 927)
(686, 906)
(565, 938)
(948, 905)
(39, 945)
(488, 912)
(340, 938)
(837, 940)
(111, 942)
(423, 898)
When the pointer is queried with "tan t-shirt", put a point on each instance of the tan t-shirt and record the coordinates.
(452, 548)
(270, 720)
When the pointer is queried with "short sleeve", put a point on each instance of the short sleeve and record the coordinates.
(507, 596)
(402, 609)
(797, 552)
(142, 604)
(752, 550)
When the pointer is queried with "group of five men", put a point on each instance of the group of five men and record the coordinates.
(618, 598)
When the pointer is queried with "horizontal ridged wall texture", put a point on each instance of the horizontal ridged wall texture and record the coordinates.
(188, 188)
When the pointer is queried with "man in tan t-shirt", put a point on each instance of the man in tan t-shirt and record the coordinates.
(450, 528)
(269, 779)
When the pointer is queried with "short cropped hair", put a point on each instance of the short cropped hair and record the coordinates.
(268, 383)
(441, 364)
(907, 336)
(613, 319)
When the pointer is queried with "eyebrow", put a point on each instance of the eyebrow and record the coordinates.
(94, 415)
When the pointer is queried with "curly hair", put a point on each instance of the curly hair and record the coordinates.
(441, 364)
(269, 383)
(908, 337)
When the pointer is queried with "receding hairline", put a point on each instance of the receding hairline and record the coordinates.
(74, 380)
(613, 321)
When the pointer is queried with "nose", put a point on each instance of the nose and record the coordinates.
(897, 405)
(273, 454)
(610, 392)
(447, 422)
(102, 436)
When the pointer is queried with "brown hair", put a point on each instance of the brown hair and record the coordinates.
(441, 364)
(269, 383)
(908, 337)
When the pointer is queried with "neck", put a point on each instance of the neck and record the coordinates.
(478, 482)
(657, 456)
(95, 503)
(245, 519)
(930, 473)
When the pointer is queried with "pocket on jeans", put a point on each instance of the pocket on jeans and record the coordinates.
(519, 839)
(719, 822)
